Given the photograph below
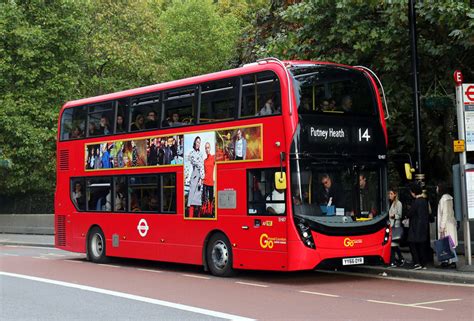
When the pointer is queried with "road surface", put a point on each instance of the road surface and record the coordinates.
(50, 284)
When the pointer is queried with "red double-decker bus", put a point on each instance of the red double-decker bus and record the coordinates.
(271, 166)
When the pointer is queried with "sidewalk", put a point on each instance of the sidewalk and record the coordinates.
(27, 240)
(462, 274)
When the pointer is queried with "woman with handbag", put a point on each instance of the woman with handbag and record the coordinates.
(395, 215)
(446, 221)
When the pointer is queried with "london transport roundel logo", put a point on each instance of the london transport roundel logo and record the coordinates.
(142, 227)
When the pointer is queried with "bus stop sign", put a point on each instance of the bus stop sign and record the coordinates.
(469, 95)
(458, 78)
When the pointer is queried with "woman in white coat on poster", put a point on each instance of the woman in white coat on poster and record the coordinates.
(447, 225)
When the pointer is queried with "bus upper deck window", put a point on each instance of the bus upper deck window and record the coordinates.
(260, 95)
(179, 107)
(73, 123)
(145, 112)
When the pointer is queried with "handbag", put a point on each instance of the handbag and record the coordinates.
(397, 233)
(443, 249)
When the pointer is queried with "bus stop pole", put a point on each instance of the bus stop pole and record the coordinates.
(462, 168)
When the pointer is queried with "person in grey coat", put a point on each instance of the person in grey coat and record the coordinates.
(197, 175)
(395, 215)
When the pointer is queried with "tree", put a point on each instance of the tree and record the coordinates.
(120, 46)
(196, 39)
(38, 53)
(56, 51)
(375, 34)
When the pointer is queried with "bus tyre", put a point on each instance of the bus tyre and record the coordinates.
(219, 256)
(96, 246)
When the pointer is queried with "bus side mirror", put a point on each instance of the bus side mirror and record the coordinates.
(280, 180)
(409, 171)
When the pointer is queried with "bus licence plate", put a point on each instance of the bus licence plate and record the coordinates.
(353, 261)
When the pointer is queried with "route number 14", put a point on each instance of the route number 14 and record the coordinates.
(364, 135)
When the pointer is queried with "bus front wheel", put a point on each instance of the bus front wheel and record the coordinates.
(219, 256)
(96, 246)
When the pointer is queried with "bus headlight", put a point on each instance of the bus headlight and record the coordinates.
(387, 233)
(305, 233)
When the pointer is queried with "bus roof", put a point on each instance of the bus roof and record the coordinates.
(248, 68)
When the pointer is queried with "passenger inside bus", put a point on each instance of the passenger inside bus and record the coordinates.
(120, 124)
(92, 129)
(151, 120)
(346, 103)
(78, 196)
(134, 206)
(324, 105)
(76, 133)
(152, 204)
(139, 123)
(175, 121)
(104, 127)
(267, 109)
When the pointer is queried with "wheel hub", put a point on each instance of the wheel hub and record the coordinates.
(220, 255)
(97, 245)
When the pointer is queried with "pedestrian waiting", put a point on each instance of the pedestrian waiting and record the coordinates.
(419, 227)
(395, 215)
(447, 225)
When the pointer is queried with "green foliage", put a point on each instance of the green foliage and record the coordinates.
(38, 73)
(120, 45)
(196, 39)
(376, 34)
(55, 51)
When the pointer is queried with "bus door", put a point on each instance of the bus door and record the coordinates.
(135, 233)
(265, 224)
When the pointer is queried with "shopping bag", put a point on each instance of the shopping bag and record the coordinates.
(453, 249)
(397, 233)
(443, 249)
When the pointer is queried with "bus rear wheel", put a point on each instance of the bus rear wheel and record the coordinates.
(219, 256)
(96, 246)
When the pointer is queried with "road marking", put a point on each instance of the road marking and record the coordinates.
(133, 297)
(8, 254)
(322, 294)
(197, 276)
(54, 254)
(396, 278)
(439, 301)
(405, 305)
(73, 261)
(253, 284)
(147, 270)
(109, 265)
(40, 257)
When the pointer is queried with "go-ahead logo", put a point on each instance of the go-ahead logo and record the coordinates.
(350, 243)
(142, 227)
(268, 242)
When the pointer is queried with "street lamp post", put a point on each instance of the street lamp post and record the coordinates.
(419, 176)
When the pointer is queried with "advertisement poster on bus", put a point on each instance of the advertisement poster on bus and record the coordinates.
(239, 144)
(199, 175)
(154, 151)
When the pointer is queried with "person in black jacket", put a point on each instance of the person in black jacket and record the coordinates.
(419, 226)
(329, 193)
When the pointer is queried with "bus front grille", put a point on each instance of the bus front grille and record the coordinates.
(61, 230)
